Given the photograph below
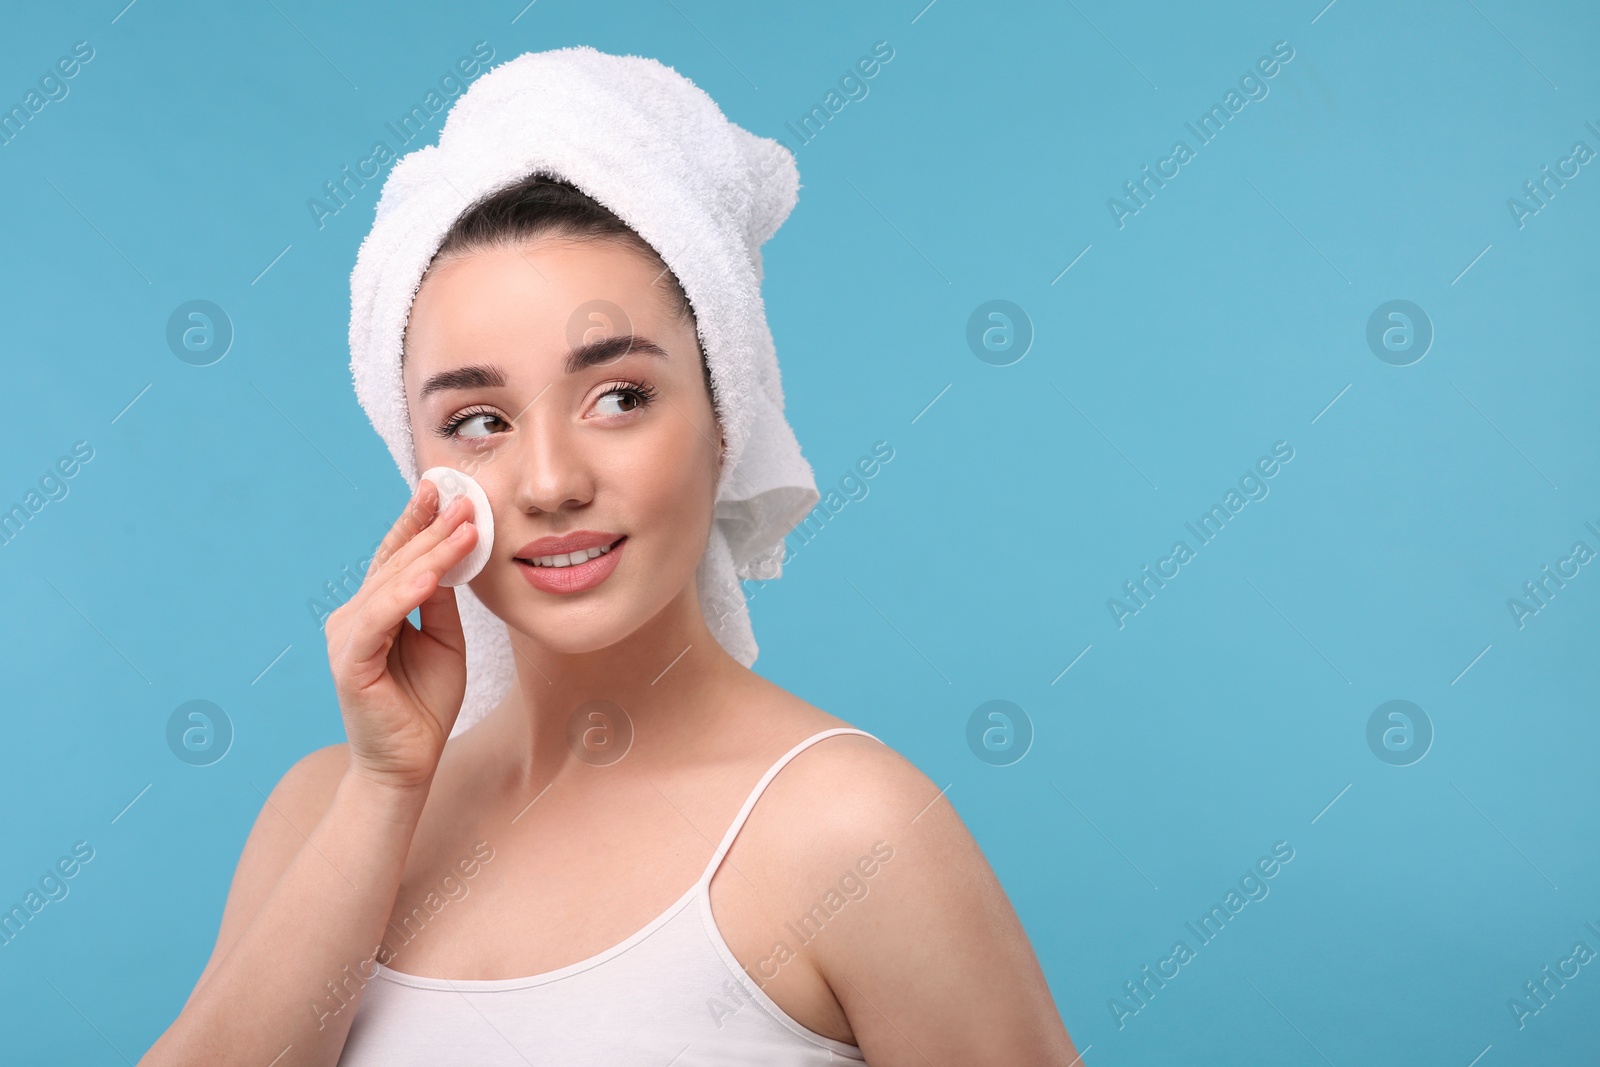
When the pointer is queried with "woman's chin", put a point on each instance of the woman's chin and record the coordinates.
(589, 621)
(561, 630)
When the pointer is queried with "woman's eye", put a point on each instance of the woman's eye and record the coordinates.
(462, 427)
(621, 401)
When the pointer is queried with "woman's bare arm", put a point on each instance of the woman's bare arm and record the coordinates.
(312, 893)
(931, 964)
(318, 876)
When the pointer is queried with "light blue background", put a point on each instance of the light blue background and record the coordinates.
(1227, 315)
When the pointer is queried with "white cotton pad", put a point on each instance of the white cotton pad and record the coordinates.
(453, 483)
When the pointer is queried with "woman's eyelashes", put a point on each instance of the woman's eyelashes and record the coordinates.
(630, 397)
(640, 393)
(452, 427)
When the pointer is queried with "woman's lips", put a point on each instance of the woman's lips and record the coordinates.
(576, 578)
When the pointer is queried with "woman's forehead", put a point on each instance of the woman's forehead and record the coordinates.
(540, 302)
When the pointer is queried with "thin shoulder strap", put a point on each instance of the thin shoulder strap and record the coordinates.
(755, 794)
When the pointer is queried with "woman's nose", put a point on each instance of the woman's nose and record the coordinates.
(547, 466)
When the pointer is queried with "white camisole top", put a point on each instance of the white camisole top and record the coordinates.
(672, 994)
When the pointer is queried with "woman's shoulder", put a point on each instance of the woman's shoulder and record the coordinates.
(841, 787)
(860, 841)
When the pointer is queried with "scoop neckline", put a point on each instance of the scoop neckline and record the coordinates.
(489, 985)
(719, 944)
(701, 888)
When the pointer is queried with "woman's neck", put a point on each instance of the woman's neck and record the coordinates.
(655, 696)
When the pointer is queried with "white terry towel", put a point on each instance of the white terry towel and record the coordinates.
(652, 147)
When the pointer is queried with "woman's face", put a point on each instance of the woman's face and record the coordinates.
(508, 377)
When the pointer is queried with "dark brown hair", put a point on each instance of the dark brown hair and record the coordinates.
(541, 205)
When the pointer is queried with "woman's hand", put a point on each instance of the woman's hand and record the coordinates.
(400, 688)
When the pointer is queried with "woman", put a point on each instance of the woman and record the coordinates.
(644, 852)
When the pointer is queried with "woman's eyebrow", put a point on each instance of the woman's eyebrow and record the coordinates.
(609, 349)
(477, 376)
(595, 353)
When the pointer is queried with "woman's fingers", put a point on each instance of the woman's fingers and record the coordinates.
(418, 513)
(421, 577)
(400, 565)
(364, 628)
(379, 614)
(421, 527)
(441, 615)
(400, 687)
